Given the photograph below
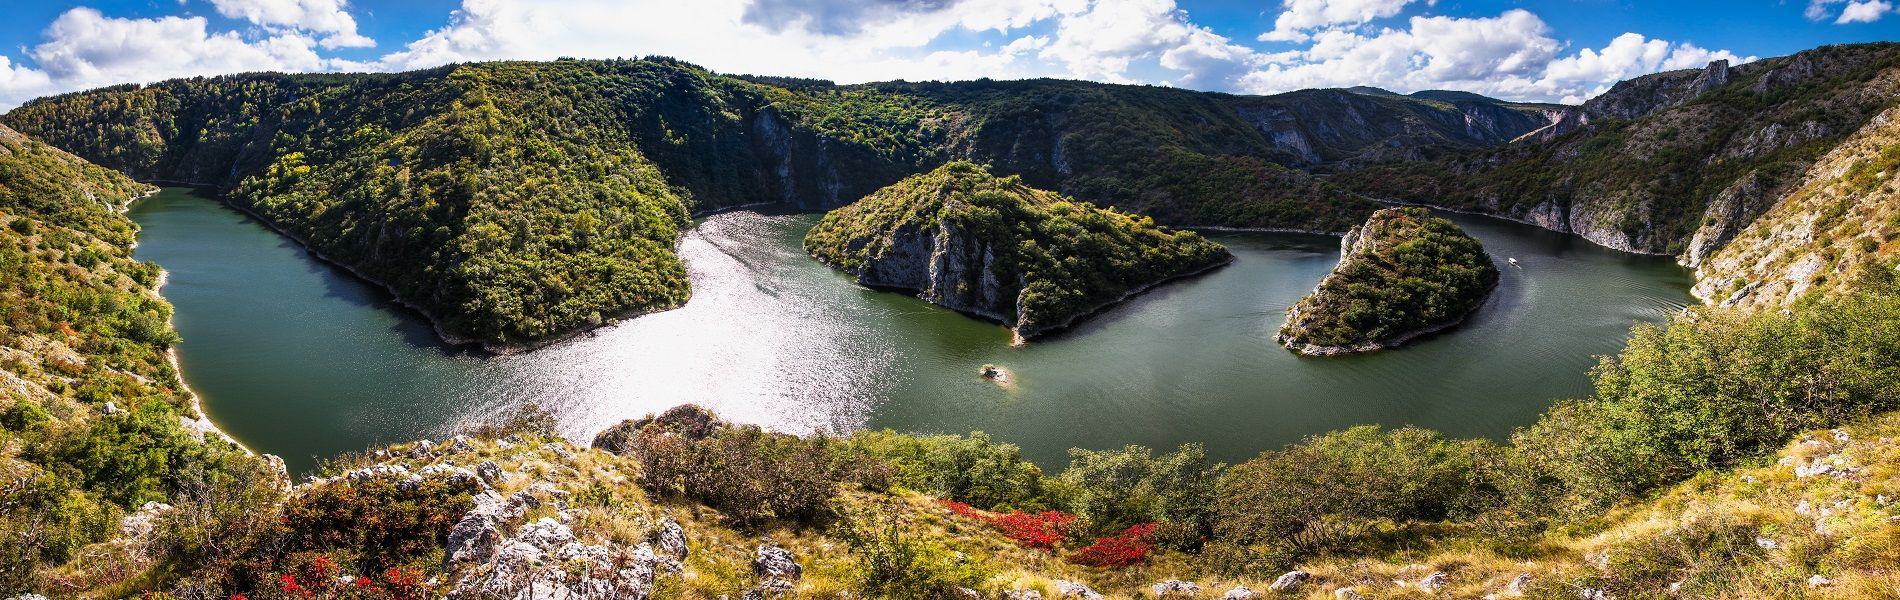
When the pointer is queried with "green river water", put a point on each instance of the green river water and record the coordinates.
(295, 357)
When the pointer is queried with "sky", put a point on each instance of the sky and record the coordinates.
(1529, 50)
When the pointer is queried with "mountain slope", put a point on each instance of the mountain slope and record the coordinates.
(1675, 163)
(94, 420)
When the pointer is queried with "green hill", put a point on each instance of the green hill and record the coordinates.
(1402, 274)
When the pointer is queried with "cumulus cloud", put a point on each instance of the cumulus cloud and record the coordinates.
(1864, 12)
(328, 19)
(1303, 16)
(1512, 55)
(84, 48)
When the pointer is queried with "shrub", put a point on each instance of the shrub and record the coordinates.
(1329, 491)
(376, 523)
(1043, 530)
(1117, 489)
(1124, 549)
(890, 564)
(976, 470)
(1713, 388)
(751, 475)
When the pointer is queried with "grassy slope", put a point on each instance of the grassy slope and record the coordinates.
(1064, 257)
(1416, 271)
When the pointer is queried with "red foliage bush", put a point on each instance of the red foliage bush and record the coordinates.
(1041, 530)
(319, 579)
(1121, 550)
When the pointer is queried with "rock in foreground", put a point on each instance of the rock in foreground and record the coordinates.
(1402, 274)
(993, 247)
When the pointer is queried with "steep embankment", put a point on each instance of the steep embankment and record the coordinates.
(1842, 219)
(995, 247)
(1402, 274)
(1675, 163)
(94, 421)
(518, 203)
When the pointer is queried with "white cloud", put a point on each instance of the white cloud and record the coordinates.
(1303, 16)
(1513, 55)
(1864, 12)
(84, 49)
(328, 19)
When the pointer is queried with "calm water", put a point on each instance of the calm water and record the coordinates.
(295, 357)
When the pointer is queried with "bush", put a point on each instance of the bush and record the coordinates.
(1118, 489)
(975, 470)
(377, 523)
(890, 564)
(1713, 388)
(751, 475)
(1124, 549)
(1328, 492)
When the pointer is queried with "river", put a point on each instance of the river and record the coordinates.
(297, 358)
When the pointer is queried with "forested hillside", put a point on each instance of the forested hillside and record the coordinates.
(94, 422)
(1402, 274)
(516, 203)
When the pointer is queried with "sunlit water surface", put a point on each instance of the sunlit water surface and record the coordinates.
(297, 358)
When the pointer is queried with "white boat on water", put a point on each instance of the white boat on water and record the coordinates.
(1512, 260)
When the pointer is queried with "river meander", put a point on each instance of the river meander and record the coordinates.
(295, 357)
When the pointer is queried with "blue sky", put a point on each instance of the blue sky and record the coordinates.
(1542, 50)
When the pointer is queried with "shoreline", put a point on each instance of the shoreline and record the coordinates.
(201, 419)
(1105, 306)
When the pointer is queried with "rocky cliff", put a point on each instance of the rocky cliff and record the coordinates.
(1403, 274)
(996, 248)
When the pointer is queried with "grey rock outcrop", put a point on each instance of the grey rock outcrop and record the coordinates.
(545, 561)
(1240, 592)
(1071, 589)
(1176, 588)
(773, 562)
(1290, 581)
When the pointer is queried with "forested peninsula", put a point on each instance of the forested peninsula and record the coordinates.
(992, 246)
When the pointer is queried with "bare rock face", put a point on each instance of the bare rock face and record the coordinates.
(1071, 589)
(686, 420)
(1176, 588)
(773, 562)
(546, 560)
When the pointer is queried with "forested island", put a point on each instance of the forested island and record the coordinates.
(1402, 274)
(994, 247)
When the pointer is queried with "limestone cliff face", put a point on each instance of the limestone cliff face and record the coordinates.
(995, 248)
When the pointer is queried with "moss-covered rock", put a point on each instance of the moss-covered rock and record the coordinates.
(1403, 274)
(991, 246)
